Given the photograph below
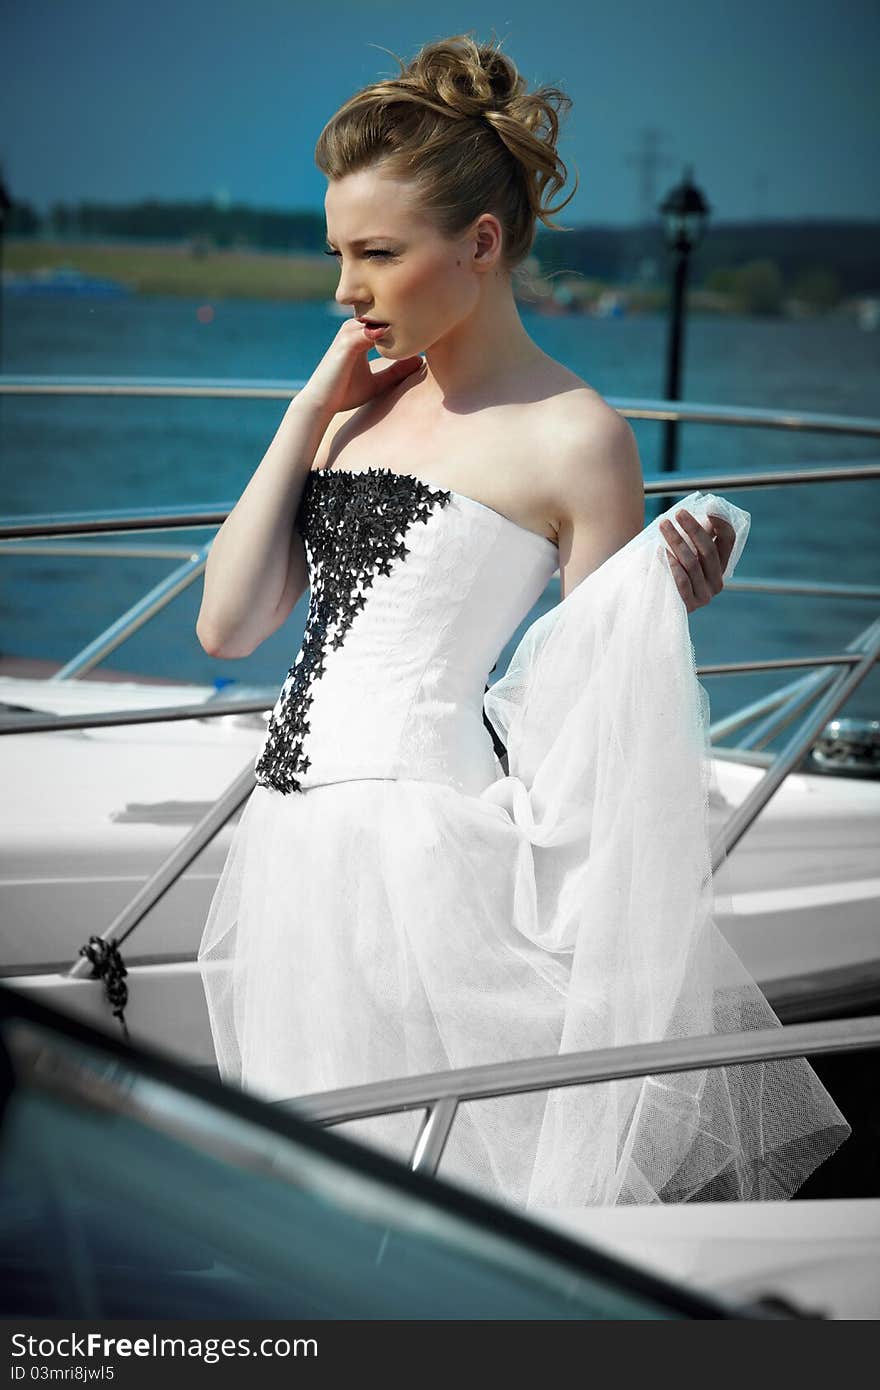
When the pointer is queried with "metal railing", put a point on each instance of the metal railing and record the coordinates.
(442, 1093)
(22, 384)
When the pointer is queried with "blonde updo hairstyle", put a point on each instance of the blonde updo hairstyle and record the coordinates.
(459, 123)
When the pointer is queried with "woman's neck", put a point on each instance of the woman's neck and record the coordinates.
(468, 365)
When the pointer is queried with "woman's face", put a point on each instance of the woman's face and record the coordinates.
(394, 265)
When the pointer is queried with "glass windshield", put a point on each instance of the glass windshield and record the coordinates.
(125, 1194)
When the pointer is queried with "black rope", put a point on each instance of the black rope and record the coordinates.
(107, 965)
(500, 750)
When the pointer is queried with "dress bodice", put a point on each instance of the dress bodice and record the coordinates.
(415, 590)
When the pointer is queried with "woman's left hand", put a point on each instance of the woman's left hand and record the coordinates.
(698, 573)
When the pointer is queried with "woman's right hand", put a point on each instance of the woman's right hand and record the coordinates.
(345, 378)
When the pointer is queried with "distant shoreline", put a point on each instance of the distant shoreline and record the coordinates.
(182, 269)
(190, 269)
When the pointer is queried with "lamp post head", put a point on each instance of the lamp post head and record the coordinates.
(685, 214)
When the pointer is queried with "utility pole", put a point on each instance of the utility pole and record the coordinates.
(647, 160)
(761, 184)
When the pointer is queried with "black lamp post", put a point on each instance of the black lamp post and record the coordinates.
(685, 214)
(5, 209)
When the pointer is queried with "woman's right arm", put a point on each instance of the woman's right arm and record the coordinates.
(256, 568)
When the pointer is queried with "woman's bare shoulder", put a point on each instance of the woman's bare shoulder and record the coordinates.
(578, 429)
(589, 454)
(591, 476)
(570, 402)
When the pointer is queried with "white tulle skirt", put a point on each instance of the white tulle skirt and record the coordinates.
(373, 929)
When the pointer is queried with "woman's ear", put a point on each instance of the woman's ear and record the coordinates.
(488, 241)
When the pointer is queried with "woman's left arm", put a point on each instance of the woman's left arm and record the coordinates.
(698, 572)
(599, 495)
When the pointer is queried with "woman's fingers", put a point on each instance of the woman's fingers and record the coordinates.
(725, 538)
(691, 581)
(697, 571)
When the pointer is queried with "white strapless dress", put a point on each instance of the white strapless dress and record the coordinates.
(394, 903)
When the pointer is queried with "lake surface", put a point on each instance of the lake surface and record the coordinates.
(64, 455)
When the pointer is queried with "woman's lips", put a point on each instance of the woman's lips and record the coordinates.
(377, 331)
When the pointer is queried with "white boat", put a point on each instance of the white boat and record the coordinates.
(123, 796)
(97, 810)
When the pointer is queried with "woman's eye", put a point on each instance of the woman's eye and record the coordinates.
(328, 252)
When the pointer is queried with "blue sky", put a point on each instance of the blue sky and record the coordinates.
(775, 103)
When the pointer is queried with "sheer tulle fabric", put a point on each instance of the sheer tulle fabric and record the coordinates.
(371, 929)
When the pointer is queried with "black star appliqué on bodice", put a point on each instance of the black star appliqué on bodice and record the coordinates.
(354, 527)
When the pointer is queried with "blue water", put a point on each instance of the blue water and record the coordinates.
(76, 454)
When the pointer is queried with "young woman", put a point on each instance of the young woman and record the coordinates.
(397, 901)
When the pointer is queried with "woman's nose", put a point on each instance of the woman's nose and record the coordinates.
(348, 293)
